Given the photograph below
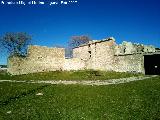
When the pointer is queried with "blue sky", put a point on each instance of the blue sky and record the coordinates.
(131, 20)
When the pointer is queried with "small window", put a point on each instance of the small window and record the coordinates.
(89, 53)
(40, 57)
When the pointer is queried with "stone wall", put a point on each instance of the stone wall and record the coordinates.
(129, 63)
(97, 55)
(81, 52)
(102, 55)
(108, 56)
(39, 59)
(132, 48)
(74, 64)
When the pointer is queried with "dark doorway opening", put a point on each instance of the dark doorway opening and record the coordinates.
(152, 64)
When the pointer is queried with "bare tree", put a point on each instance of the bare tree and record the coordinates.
(75, 42)
(15, 43)
(78, 40)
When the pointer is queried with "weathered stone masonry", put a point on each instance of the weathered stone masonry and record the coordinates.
(38, 59)
(41, 59)
(98, 55)
(107, 55)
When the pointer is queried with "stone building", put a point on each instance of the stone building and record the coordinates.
(97, 55)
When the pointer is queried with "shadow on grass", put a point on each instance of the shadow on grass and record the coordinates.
(23, 94)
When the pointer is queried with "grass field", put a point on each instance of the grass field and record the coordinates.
(138, 100)
(68, 75)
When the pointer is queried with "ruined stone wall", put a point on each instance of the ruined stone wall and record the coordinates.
(74, 64)
(98, 55)
(132, 48)
(39, 59)
(129, 63)
(81, 52)
(15, 65)
(102, 55)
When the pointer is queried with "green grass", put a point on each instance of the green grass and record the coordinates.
(139, 100)
(68, 75)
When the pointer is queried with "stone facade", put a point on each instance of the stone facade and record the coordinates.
(97, 55)
(108, 56)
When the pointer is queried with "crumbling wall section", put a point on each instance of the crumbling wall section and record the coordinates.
(81, 52)
(97, 55)
(102, 56)
(133, 48)
(39, 59)
(129, 63)
(15, 64)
